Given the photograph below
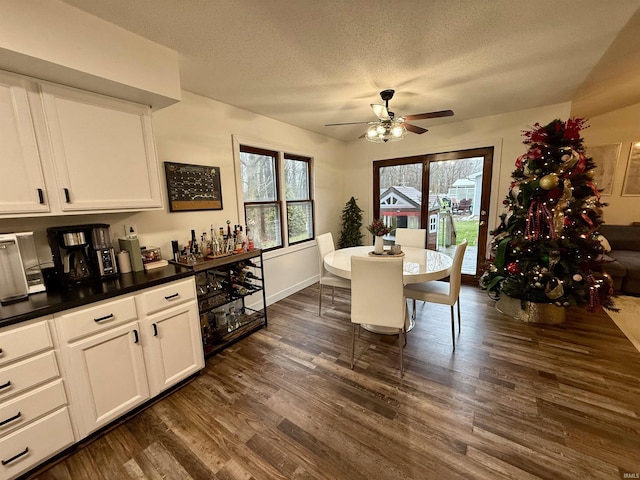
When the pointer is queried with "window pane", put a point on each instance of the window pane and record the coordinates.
(264, 223)
(296, 179)
(401, 197)
(300, 221)
(258, 177)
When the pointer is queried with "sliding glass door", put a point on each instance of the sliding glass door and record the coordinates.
(445, 193)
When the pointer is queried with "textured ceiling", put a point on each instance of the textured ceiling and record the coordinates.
(310, 62)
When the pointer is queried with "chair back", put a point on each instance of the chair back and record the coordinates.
(455, 278)
(377, 292)
(325, 245)
(411, 237)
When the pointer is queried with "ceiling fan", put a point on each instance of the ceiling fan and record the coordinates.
(388, 127)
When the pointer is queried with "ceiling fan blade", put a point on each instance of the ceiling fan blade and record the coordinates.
(349, 123)
(423, 116)
(380, 111)
(415, 129)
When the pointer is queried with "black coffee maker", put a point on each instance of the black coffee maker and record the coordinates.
(82, 253)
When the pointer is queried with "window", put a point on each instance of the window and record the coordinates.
(263, 197)
(299, 204)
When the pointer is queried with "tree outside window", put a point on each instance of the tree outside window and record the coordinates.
(262, 196)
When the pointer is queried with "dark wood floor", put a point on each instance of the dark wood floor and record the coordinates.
(514, 401)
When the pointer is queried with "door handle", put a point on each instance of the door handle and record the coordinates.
(483, 212)
(66, 195)
(155, 329)
(135, 336)
(482, 222)
(40, 196)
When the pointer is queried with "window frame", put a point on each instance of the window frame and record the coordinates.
(307, 201)
(261, 148)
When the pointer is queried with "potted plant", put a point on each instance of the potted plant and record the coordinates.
(350, 235)
(378, 229)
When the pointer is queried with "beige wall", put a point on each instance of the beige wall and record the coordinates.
(620, 126)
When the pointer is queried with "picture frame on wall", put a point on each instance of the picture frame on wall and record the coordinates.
(631, 187)
(193, 187)
(606, 159)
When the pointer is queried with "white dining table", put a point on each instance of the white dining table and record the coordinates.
(418, 265)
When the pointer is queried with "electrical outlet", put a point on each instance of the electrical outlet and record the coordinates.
(130, 230)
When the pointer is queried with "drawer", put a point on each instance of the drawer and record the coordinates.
(20, 376)
(155, 299)
(19, 411)
(27, 447)
(87, 321)
(23, 340)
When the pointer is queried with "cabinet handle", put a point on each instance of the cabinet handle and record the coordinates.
(40, 195)
(106, 317)
(8, 384)
(66, 195)
(15, 457)
(155, 329)
(135, 336)
(15, 417)
(171, 297)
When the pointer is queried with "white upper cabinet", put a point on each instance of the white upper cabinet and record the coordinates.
(22, 187)
(103, 151)
(66, 151)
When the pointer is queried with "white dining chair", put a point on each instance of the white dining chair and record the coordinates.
(377, 298)
(325, 246)
(411, 237)
(441, 292)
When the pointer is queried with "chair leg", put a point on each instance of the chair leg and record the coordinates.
(402, 342)
(458, 302)
(453, 330)
(320, 302)
(333, 295)
(413, 315)
(353, 342)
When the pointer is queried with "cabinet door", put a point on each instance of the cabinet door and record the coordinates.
(103, 151)
(109, 376)
(22, 187)
(173, 346)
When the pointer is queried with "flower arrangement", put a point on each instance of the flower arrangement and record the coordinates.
(377, 228)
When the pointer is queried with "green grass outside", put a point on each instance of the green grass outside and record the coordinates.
(465, 229)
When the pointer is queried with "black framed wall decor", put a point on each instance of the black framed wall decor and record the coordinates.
(193, 187)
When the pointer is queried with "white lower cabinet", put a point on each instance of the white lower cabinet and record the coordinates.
(114, 366)
(34, 418)
(172, 346)
(108, 376)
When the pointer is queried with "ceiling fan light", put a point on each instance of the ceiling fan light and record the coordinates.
(381, 129)
(398, 130)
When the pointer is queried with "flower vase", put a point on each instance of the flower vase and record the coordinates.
(378, 244)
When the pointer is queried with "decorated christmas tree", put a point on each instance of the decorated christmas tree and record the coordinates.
(546, 248)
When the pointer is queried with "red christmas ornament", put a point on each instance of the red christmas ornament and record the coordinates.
(513, 268)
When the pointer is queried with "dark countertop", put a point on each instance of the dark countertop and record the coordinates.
(53, 301)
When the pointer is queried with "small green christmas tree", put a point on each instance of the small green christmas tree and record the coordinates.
(350, 235)
(546, 248)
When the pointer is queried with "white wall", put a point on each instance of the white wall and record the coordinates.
(620, 126)
(199, 131)
(503, 132)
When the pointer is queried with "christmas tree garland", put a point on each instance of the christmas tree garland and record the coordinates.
(546, 248)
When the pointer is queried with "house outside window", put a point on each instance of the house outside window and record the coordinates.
(275, 204)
